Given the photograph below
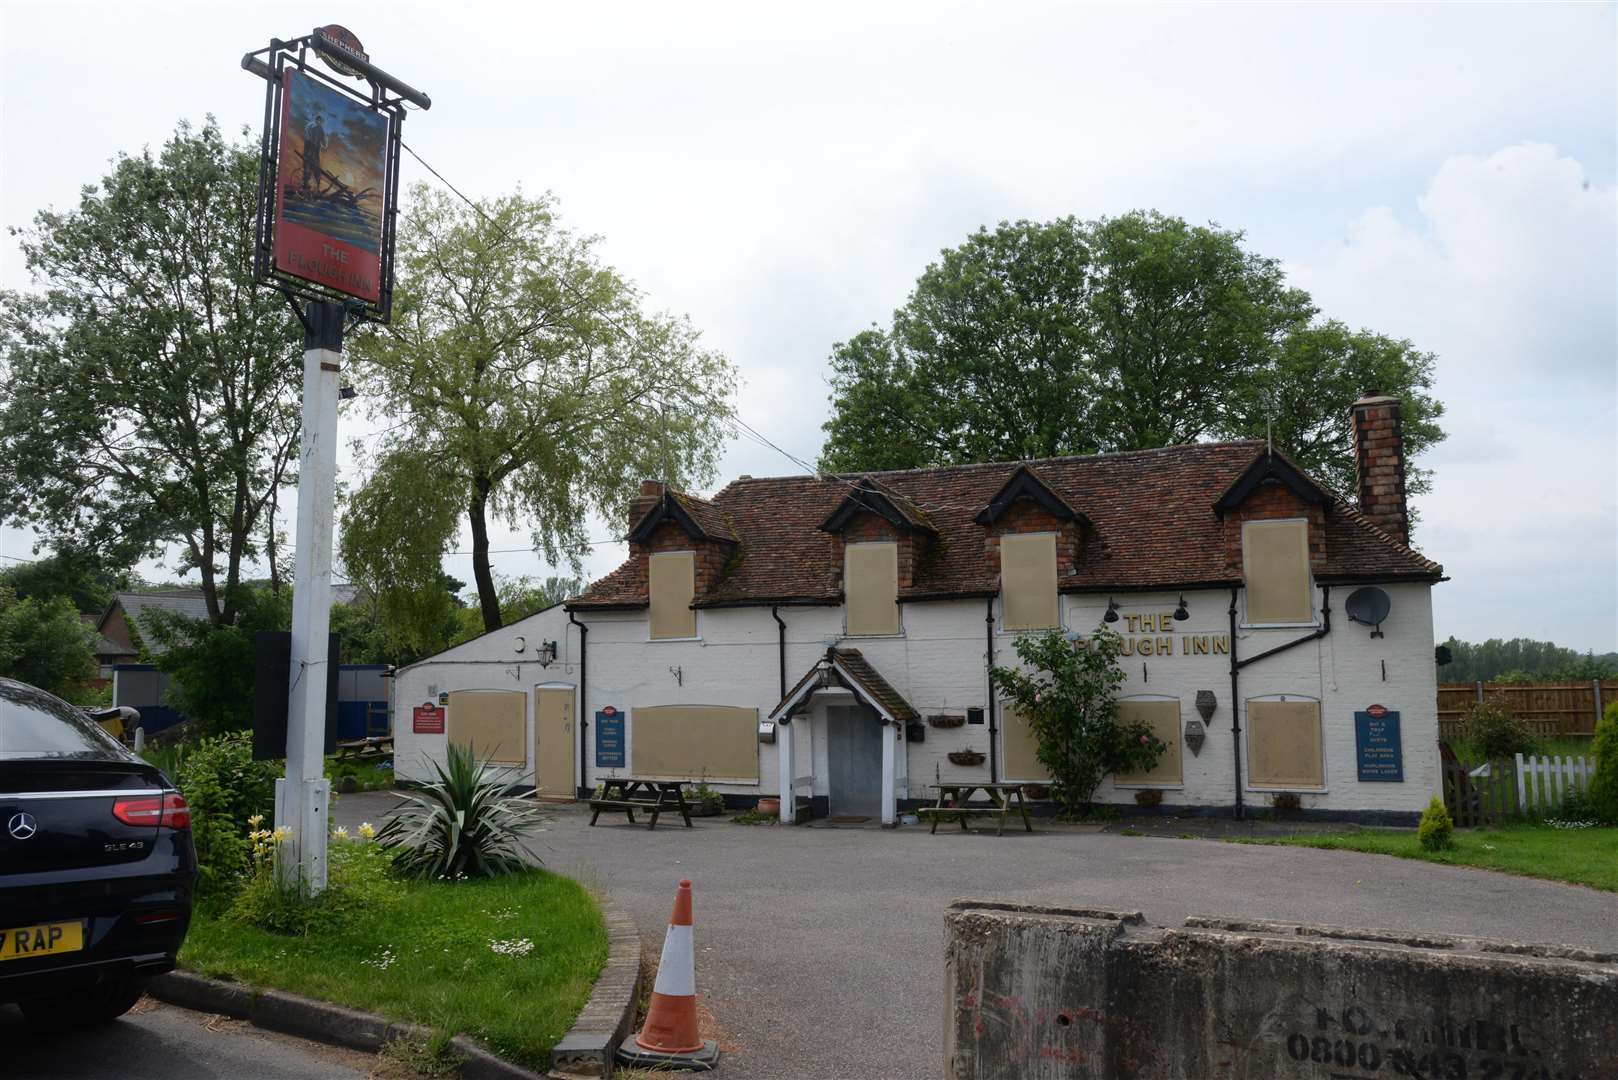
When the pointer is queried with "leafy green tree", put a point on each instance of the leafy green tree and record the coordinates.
(530, 386)
(44, 642)
(1073, 337)
(1523, 660)
(212, 665)
(70, 573)
(1069, 697)
(150, 389)
(522, 596)
(400, 628)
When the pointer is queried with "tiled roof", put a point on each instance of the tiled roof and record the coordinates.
(713, 521)
(1150, 516)
(855, 672)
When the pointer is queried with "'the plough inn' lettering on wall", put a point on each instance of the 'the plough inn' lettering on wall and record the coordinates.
(1161, 625)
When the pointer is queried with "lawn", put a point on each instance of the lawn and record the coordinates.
(1581, 856)
(508, 960)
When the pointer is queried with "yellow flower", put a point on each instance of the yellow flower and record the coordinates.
(256, 820)
(367, 830)
(340, 833)
(281, 834)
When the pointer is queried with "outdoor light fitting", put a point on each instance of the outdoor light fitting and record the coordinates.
(547, 653)
(347, 393)
(1180, 613)
(1112, 611)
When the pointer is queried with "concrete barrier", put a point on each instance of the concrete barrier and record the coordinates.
(1072, 994)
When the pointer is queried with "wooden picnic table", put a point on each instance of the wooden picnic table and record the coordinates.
(628, 794)
(959, 795)
(368, 747)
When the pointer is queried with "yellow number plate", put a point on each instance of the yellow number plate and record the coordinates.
(54, 937)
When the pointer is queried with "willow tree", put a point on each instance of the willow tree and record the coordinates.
(523, 382)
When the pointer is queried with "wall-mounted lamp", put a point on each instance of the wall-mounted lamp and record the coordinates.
(547, 653)
(1112, 611)
(1180, 613)
(347, 393)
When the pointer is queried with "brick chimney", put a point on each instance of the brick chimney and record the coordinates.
(1379, 464)
(650, 492)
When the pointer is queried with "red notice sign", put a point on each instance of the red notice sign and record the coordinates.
(427, 719)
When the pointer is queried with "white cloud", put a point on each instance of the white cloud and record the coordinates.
(1509, 272)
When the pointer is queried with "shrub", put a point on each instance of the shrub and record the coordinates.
(1492, 729)
(224, 787)
(1602, 796)
(1436, 830)
(463, 825)
(357, 880)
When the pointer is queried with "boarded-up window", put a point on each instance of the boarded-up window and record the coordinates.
(494, 722)
(1275, 562)
(1283, 744)
(871, 585)
(1028, 581)
(1163, 717)
(694, 742)
(673, 585)
(1020, 748)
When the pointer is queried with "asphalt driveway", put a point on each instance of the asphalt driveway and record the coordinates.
(821, 949)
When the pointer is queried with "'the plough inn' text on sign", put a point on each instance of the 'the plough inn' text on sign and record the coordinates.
(1161, 626)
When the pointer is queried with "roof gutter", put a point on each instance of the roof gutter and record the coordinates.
(1235, 678)
(584, 685)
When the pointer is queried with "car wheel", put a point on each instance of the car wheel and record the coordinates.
(104, 1002)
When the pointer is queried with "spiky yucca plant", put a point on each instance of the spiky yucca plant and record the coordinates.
(462, 825)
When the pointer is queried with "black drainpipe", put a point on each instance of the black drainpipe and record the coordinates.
(775, 613)
(1237, 665)
(994, 754)
(584, 685)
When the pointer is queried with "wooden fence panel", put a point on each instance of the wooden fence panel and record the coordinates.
(1550, 708)
(1486, 795)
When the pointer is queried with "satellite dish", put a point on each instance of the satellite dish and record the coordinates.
(1368, 606)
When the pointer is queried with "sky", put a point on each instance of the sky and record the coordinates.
(781, 173)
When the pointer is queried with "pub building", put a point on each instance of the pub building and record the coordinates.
(827, 639)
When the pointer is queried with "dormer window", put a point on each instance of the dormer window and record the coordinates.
(1028, 581)
(1275, 566)
(672, 583)
(871, 588)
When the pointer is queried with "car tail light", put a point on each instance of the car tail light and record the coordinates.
(169, 810)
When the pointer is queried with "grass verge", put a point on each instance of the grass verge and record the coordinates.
(1581, 856)
(427, 952)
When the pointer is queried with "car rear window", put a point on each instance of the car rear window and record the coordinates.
(34, 724)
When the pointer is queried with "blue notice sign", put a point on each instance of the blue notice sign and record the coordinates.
(609, 739)
(1376, 739)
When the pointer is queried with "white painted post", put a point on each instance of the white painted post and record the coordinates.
(1523, 787)
(890, 808)
(303, 796)
(785, 737)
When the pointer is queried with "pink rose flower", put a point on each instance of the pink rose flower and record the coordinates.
(1036, 697)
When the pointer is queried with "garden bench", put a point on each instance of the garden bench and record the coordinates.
(958, 795)
(626, 795)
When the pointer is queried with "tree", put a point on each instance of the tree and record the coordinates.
(1523, 660)
(151, 389)
(1070, 700)
(522, 596)
(70, 573)
(212, 664)
(529, 386)
(44, 642)
(1075, 337)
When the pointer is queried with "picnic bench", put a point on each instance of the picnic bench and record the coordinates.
(628, 794)
(371, 746)
(953, 799)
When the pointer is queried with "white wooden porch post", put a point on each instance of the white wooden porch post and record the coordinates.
(786, 735)
(890, 765)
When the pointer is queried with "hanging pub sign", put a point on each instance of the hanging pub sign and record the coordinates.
(328, 172)
(609, 739)
(1377, 746)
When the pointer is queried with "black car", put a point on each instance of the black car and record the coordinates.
(96, 864)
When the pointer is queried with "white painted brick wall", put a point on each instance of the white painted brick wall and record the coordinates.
(937, 663)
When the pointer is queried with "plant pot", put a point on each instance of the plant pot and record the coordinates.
(707, 807)
(1149, 797)
(769, 806)
(1037, 791)
(966, 757)
(947, 720)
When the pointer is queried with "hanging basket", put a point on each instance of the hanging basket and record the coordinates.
(947, 719)
(967, 757)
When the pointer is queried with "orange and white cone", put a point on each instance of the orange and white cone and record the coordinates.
(670, 1034)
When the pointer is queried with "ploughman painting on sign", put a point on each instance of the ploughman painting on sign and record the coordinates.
(329, 191)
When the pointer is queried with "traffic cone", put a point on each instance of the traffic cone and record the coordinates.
(669, 1039)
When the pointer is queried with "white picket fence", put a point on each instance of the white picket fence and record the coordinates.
(1544, 782)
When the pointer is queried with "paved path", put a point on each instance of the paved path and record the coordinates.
(821, 949)
(158, 1042)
